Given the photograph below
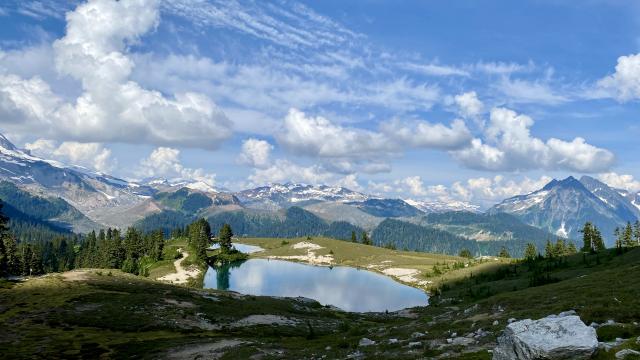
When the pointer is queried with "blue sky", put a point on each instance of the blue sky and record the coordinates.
(459, 100)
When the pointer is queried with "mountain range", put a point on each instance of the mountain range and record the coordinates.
(563, 206)
(87, 200)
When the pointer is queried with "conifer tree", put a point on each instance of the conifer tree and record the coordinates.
(571, 249)
(636, 232)
(4, 233)
(627, 236)
(365, 238)
(14, 264)
(618, 235)
(598, 241)
(353, 237)
(587, 237)
(560, 248)
(465, 253)
(224, 238)
(549, 250)
(504, 253)
(530, 252)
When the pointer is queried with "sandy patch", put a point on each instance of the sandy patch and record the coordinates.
(311, 256)
(307, 245)
(182, 304)
(203, 351)
(253, 320)
(182, 275)
(406, 275)
(75, 275)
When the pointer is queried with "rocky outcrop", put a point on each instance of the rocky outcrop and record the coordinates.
(562, 336)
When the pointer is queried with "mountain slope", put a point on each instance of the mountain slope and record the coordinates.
(294, 222)
(562, 208)
(53, 211)
(487, 227)
(280, 196)
(90, 192)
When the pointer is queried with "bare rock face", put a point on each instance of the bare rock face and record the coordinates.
(562, 336)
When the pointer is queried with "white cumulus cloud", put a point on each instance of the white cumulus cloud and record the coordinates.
(510, 146)
(624, 84)
(165, 162)
(111, 107)
(620, 181)
(91, 155)
(255, 153)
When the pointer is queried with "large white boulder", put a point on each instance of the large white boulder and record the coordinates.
(562, 336)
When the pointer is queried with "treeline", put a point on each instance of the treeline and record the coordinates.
(132, 252)
(297, 222)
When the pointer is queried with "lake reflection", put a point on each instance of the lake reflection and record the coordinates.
(347, 288)
(247, 249)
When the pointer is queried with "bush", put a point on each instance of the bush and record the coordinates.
(612, 332)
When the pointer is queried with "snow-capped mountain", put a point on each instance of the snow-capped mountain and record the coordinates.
(441, 206)
(622, 205)
(278, 196)
(562, 207)
(94, 194)
(172, 185)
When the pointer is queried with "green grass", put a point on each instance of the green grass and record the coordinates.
(121, 315)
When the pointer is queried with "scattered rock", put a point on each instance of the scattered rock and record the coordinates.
(366, 342)
(253, 320)
(327, 348)
(622, 354)
(417, 335)
(553, 337)
(393, 341)
(638, 340)
(415, 344)
(473, 308)
(511, 320)
(461, 341)
(606, 346)
(496, 322)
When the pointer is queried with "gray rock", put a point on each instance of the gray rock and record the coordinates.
(415, 344)
(462, 341)
(366, 342)
(393, 341)
(606, 346)
(417, 335)
(511, 320)
(553, 337)
(638, 340)
(622, 354)
(496, 322)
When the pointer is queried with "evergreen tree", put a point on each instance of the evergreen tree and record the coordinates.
(587, 237)
(571, 249)
(14, 264)
(365, 238)
(636, 232)
(598, 241)
(353, 237)
(549, 250)
(224, 238)
(627, 236)
(465, 253)
(504, 253)
(4, 233)
(618, 235)
(530, 252)
(560, 248)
